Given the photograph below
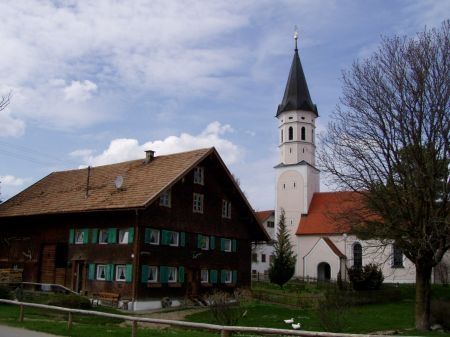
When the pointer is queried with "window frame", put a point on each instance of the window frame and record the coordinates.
(152, 230)
(225, 241)
(173, 234)
(303, 133)
(290, 133)
(226, 209)
(155, 269)
(175, 273)
(79, 236)
(197, 203)
(270, 224)
(357, 255)
(165, 199)
(117, 274)
(228, 276)
(97, 272)
(103, 234)
(199, 175)
(123, 233)
(397, 257)
(204, 272)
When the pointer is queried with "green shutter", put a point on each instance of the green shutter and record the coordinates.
(223, 276)
(109, 272)
(91, 272)
(213, 276)
(182, 239)
(212, 242)
(199, 241)
(128, 273)
(71, 236)
(233, 245)
(85, 235)
(234, 276)
(147, 235)
(181, 274)
(164, 274)
(94, 238)
(164, 237)
(222, 244)
(131, 235)
(144, 273)
(112, 235)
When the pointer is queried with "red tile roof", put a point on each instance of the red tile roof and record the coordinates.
(264, 215)
(328, 213)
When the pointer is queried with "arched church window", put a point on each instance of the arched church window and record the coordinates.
(282, 135)
(291, 133)
(303, 133)
(357, 255)
(397, 257)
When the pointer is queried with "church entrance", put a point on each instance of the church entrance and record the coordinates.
(323, 271)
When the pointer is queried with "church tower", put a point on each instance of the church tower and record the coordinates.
(297, 178)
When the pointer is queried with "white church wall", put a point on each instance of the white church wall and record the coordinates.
(320, 253)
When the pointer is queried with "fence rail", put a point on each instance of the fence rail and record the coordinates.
(222, 329)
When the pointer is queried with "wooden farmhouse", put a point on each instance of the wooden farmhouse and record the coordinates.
(172, 226)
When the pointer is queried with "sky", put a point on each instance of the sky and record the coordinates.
(101, 81)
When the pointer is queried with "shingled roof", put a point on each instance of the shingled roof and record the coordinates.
(65, 191)
(327, 213)
(264, 215)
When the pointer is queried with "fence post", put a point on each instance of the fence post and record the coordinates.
(69, 321)
(134, 327)
(225, 333)
(21, 313)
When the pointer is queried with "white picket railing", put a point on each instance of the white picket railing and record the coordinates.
(222, 329)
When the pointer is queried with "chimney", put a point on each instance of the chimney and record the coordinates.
(149, 156)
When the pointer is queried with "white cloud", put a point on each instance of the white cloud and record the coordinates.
(79, 91)
(127, 149)
(9, 180)
(10, 126)
(11, 185)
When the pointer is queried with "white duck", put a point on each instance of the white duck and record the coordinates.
(296, 326)
(289, 321)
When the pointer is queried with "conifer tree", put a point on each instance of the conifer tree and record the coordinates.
(282, 266)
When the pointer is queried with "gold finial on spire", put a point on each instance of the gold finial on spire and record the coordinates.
(295, 36)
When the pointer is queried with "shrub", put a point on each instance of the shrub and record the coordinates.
(6, 293)
(369, 277)
(69, 301)
(226, 309)
(332, 310)
(440, 313)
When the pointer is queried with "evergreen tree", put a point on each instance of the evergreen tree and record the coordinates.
(282, 266)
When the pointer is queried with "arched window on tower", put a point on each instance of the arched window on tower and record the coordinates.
(303, 133)
(282, 135)
(291, 133)
(357, 255)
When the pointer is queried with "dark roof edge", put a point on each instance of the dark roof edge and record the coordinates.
(303, 162)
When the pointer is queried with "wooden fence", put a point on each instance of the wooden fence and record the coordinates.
(224, 330)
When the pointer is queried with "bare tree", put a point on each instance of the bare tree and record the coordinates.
(5, 101)
(389, 142)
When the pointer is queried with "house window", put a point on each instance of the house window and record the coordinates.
(254, 257)
(165, 198)
(204, 276)
(103, 236)
(226, 245)
(152, 274)
(263, 257)
(154, 237)
(199, 175)
(120, 273)
(226, 209)
(79, 237)
(123, 236)
(270, 224)
(303, 133)
(172, 274)
(227, 276)
(397, 257)
(291, 133)
(173, 239)
(101, 272)
(357, 255)
(197, 206)
(203, 242)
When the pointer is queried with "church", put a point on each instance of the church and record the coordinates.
(322, 242)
